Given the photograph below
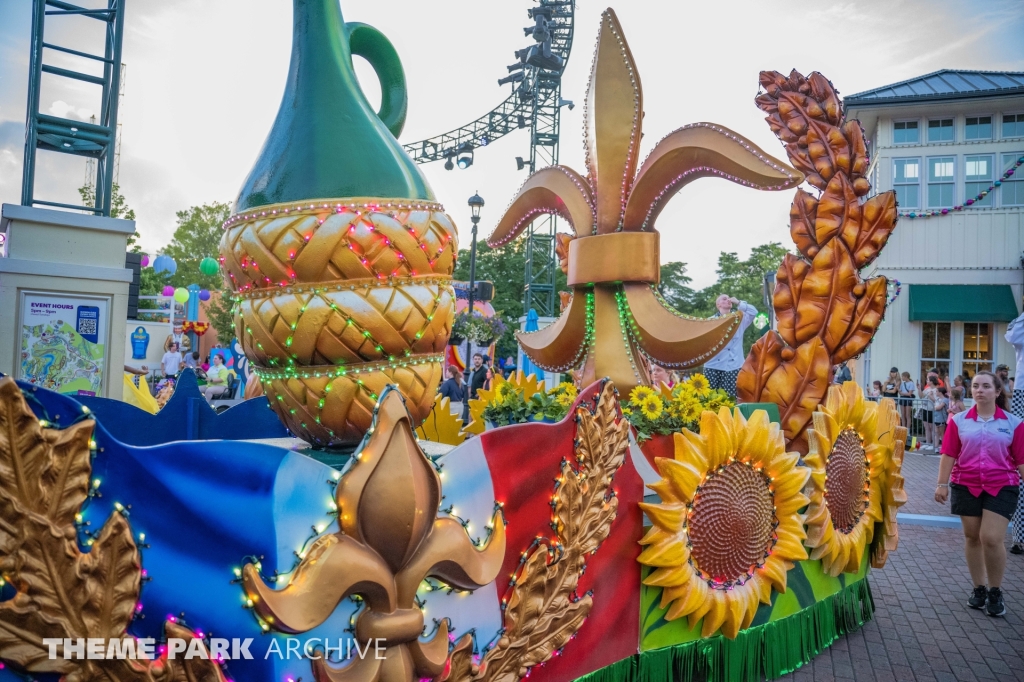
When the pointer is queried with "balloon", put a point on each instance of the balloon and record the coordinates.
(145, 260)
(181, 295)
(168, 290)
(209, 266)
(204, 295)
(165, 264)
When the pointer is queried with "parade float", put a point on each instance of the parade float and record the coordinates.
(355, 550)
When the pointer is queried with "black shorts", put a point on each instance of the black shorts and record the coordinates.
(963, 503)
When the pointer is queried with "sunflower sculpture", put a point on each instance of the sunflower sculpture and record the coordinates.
(894, 438)
(848, 458)
(728, 527)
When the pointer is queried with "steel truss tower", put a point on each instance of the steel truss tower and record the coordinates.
(535, 103)
(53, 133)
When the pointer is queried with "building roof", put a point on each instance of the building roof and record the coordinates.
(947, 84)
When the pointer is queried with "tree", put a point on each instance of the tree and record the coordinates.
(505, 267)
(118, 209)
(197, 237)
(674, 287)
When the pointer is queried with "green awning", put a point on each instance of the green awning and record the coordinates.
(962, 303)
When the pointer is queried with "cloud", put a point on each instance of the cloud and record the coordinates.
(12, 135)
(64, 110)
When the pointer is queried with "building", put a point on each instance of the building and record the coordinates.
(946, 143)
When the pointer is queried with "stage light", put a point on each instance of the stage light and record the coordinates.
(520, 164)
(464, 159)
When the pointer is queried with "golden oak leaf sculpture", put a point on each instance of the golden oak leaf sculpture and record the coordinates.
(541, 615)
(826, 313)
(60, 591)
(389, 541)
(616, 319)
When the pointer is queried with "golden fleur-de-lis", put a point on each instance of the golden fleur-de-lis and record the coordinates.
(390, 539)
(616, 317)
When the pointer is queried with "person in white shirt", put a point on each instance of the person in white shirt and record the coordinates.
(216, 379)
(722, 370)
(172, 362)
(1015, 336)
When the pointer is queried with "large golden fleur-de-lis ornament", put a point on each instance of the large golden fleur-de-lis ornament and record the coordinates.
(616, 317)
(390, 540)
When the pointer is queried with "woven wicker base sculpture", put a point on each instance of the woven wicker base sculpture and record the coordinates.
(340, 258)
(339, 300)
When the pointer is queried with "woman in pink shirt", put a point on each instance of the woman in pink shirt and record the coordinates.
(982, 461)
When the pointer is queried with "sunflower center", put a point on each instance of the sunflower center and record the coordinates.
(732, 524)
(846, 481)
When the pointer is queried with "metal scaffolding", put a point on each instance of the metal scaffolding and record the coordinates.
(53, 133)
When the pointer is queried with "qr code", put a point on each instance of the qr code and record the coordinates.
(86, 326)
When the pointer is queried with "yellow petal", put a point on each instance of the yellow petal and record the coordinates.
(670, 576)
(715, 616)
(667, 553)
(683, 477)
(733, 614)
(666, 516)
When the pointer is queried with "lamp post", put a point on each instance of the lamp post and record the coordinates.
(475, 204)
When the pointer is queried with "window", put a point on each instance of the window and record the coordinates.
(940, 182)
(905, 132)
(1013, 125)
(935, 346)
(907, 182)
(1013, 186)
(940, 130)
(978, 128)
(977, 347)
(978, 177)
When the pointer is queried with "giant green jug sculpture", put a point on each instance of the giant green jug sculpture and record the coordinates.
(326, 140)
(340, 258)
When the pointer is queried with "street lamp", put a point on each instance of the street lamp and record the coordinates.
(476, 202)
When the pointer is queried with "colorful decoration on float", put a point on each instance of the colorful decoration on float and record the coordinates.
(339, 257)
(728, 527)
(60, 591)
(670, 410)
(526, 385)
(825, 314)
(441, 425)
(616, 321)
(385, 547)
(542, 610)
(848, 461)
(181, 295)
(893, 439)
(512, 405)
(970, 202)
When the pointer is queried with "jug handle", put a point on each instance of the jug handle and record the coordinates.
(373, 46)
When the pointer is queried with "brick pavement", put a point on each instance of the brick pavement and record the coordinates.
(922, 630)
(920, 472)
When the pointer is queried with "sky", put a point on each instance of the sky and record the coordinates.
(204, 80)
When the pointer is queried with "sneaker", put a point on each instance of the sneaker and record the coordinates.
(995, 605)
(1016, 549)
(978, 597)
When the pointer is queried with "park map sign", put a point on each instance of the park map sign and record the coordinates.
(63, 342)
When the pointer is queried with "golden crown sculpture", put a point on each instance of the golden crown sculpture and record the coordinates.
(616, 318)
